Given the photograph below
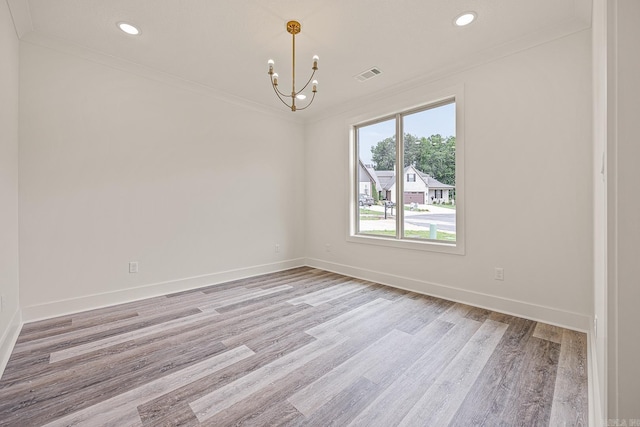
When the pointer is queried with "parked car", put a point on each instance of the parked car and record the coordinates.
(365, 200)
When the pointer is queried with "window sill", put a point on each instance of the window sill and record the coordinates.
(429, 246)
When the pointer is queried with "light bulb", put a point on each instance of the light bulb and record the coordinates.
(301, 96)
(128, 28)
(465, 19)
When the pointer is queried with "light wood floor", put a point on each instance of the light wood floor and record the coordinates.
(301, 347)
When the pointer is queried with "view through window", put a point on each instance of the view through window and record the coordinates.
(418, 200)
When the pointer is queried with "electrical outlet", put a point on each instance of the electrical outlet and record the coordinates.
(498, 273)
(277, 248)
(595, 327)
(133, 267)
(327, 247)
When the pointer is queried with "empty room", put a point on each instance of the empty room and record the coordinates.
(346, 213)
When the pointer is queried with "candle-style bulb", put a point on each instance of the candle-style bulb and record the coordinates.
(315, 62)
(275, 79)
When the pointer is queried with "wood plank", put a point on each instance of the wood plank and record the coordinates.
(122, 409)
(393, 404)
(380, 363)
(343, 407)
(281, 413)
(316, 394)
(443, 399)
(348, 320)
(81, 336)
(32, 358)
(243, 298)
(92, 383)
(210, 404)
(331, 293)
(158, 411)
(570, 405)
(495, 388)
(456, 312)
(261, 402)
(548, 332)
(424, 311)
(533, 396)
(182, 322)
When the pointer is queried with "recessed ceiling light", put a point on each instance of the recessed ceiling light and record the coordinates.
(465, 19)
(128, 28)
(301, 96)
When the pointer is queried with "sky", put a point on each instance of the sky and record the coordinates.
(440, 120)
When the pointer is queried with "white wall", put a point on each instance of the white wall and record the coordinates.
(528, 189)
(624, 208)
(116, 167)
(9, 313)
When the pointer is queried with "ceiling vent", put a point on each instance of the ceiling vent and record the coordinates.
(368, 74)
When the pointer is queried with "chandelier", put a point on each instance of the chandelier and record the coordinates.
(293, 28)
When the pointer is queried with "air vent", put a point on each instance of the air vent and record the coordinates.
(368, 74)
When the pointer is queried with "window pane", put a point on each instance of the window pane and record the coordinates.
(430, 156)
(376, 179)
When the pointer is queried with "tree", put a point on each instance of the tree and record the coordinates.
(412, 148)
(435, 155)
(437, 158)
(384, 154)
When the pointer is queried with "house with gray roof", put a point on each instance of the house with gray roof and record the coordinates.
(418, 186)
(368, 182)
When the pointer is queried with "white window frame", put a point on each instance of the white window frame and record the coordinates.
(431, 100)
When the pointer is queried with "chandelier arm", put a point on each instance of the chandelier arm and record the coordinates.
(286, 95)
(279, 97)
(307, 84)
(275, 87)
(306, 106)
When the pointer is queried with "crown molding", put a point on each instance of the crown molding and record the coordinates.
(21, 16)
(65, 47)
(529, 41)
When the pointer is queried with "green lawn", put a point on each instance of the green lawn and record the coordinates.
(452, 207)
(365, 211)
(370, 217)
(415, 234)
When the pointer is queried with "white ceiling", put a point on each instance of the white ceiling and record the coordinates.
(225, 44)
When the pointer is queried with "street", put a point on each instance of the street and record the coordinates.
(444, 221)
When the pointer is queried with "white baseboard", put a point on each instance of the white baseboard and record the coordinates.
(9, 338)
(539, 313)
(90, 302)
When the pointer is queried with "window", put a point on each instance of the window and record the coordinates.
(422, 211)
